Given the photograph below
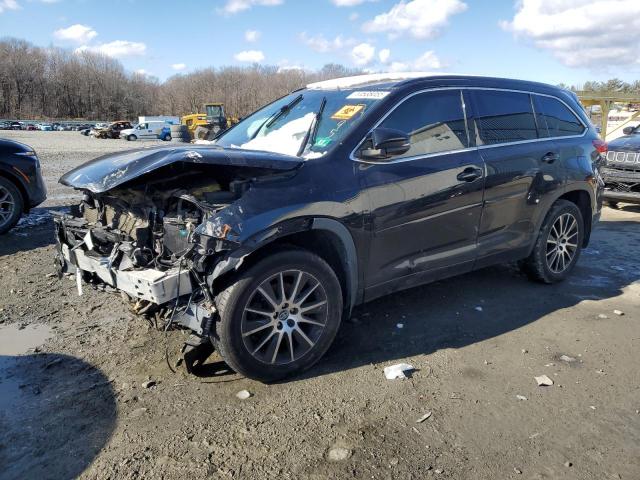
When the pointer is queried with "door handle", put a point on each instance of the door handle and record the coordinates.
(550, 157)
(469, 174)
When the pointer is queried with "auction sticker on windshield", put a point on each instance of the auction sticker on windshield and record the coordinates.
(347, 112)
(368, 95)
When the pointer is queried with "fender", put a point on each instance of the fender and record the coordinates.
(576, 187)
(289, 227)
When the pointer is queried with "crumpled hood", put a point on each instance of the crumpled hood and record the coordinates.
(110, 171)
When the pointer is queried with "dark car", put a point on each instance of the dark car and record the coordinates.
(15, 126)
(622, 170)
(21, 184)
(113, 130)
(332, 196)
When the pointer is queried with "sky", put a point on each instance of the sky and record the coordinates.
(554, 41)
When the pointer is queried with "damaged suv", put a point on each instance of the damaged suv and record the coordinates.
(339, 193)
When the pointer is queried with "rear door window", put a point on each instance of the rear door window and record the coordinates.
(556, 117)
(434, 121)
(503, 117)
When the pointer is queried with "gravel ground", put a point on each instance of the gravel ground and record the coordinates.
(77, 406)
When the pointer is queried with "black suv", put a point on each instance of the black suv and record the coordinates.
(347, 190)
(21, 183)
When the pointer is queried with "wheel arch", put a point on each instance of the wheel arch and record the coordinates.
(583, 200)
(328, 238)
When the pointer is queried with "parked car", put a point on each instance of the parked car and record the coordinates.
(15, 126)
(46, 127)
(21, 184)
(30, 127)
(151, 130)
(622, 171)
(112, 130)
(332, 196)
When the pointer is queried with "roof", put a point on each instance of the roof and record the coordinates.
(369, 79)
(391, 80)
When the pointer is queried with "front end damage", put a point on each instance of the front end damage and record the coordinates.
(160, 227)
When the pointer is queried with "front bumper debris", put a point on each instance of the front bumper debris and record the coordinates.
(173, 289)
(148, 284)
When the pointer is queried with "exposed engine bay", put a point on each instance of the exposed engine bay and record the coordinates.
(142, 238)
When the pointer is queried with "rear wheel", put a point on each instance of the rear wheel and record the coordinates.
(559, 244)
(280, 316)
(11, 205)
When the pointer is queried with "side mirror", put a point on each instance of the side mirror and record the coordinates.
(385, 143)
(628, 130)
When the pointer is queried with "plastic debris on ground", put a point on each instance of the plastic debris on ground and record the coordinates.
(567, 358)
(398, 371)
(424, 417)
(544, 381)
(243, 394)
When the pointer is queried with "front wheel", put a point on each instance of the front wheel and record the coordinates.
(11, 205)
(280, 316)
(559, 244)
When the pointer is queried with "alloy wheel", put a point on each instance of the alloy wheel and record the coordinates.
(7, 205)
(284, 317)
(562, 243)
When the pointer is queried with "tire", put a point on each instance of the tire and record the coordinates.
(11, 205)
(131, 138)
(167, 138)
(551, 264)
(276, 349)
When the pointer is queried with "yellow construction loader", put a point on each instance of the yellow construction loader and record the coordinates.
(205, 126)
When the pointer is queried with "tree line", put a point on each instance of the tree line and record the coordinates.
(53, 83)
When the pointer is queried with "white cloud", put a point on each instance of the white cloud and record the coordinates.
(398, 67)
(363, 54)
(251, 56)
(419, 18)
(117, 48)
(236, 6)
(354, 16)
(8, 5)
(581, 33)
(178, 66)
(384, 55)
(323, 45)
(141, 71)
(76, 33)
(427, 61)
(252, 35)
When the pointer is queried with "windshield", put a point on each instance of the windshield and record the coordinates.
(306, 123)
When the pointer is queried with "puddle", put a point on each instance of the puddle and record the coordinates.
(14, 341)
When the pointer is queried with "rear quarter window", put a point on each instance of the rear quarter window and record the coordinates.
(503, 117)
(556, 117)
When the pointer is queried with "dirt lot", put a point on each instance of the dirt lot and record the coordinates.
(77, 407)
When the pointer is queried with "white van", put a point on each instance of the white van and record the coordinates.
(150, 130)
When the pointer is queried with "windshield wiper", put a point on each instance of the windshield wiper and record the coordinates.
(277, 115)
(310, 136)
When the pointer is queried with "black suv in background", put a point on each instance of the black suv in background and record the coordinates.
(622, 171)
(334, 195)
(21, 183)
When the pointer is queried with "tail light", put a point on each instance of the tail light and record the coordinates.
(600, 146)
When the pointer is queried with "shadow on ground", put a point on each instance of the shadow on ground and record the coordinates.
(447, 314)
(34, 230)
(56, 414)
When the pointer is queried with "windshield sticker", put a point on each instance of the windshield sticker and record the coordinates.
(368, 95)
(323, 142)
(347, 112)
